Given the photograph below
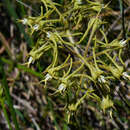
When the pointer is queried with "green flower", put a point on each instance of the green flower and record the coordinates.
(106, 103)
(117, 72)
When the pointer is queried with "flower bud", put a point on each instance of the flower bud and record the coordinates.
(31, 60)
(24, 21)
(48, 77)
(125, 75)
(62, 87)
(123, 42)
(36, 27)
(48, 35)
(101, 79)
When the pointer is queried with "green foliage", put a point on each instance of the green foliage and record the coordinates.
(60, 28)
(75, 76)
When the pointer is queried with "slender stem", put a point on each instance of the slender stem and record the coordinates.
(91, 57)
(123, 17)
(94, 56)
(78, 69)
(9, 99)
(27, 6)
(95, 25)
(112, 60)
(6, 45)
(120, 51)
(5, 113)
(83, 75)
(69, 68)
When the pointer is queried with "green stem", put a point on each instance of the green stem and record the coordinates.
(123, 17)
(9, 99)
(5, 113)
(120, 51)
(112, 60)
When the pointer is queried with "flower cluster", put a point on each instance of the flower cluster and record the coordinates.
(73, 65)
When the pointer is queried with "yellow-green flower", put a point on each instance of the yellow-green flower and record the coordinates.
(106, 103)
